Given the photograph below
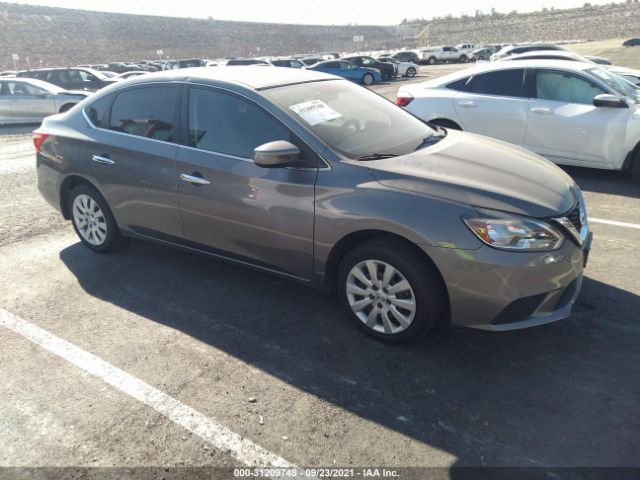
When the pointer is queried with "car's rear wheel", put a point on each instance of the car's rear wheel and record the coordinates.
(443, 122)
(635, 167)
(66, 107)
(389, 291)
(93, 221)
(368, 79)
(411, 72)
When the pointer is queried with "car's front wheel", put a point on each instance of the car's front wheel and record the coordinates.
(368, 79)
(389, 291)
(93, 221)
(411, 72)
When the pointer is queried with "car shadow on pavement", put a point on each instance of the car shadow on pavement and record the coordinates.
(561, 394)
(613, 182)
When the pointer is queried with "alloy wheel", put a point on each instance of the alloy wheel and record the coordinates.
(381, 297)
(89, 219)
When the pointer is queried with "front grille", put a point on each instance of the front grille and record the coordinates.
(519, 310)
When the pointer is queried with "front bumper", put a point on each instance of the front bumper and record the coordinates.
(492, 289)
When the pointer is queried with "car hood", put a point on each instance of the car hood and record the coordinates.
(481, 172)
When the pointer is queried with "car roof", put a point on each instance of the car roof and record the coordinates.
(250, 76)
(494, 66)
(560, 54)
(32, 81)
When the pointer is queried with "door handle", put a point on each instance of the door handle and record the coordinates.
(541, 111)
(467, 104)
(195, 178)
(102, 159)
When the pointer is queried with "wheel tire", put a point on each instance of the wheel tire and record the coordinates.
(463, 59)
(444, 123)
(432, 61)
(368, 79)
(635, 168)
(480, 58)
(66, 107)
(411, 72)
(113, 239)
(429, 295)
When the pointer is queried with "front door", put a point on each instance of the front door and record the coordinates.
(566, 127)
(232, 207)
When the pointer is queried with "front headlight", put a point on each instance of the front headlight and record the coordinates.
(516, 233)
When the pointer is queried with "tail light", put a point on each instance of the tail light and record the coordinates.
(38, 139)
(403, 101)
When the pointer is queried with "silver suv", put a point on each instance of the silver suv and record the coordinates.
(313, 178)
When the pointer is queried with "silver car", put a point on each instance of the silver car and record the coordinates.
(318, 180)
(26, 100)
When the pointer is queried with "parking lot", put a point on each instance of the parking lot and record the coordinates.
(155, 357)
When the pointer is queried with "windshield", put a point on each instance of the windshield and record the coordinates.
(351, 119)
(618, 83)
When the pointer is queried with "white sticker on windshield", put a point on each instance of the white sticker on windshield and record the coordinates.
(315, 112)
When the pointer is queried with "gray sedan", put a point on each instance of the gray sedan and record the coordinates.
(26, 100)
(310, 177)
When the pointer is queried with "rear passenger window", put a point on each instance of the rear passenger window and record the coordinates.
(505, 83)
(98, 110)
(227, 124)
(146, 112)
(459, 85)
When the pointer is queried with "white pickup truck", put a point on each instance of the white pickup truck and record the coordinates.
(433, 55)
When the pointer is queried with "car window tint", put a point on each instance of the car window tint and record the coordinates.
(506, 83)
(565, 87)
(227, 124)
(459, 85)
(98, 110)
(146, 112)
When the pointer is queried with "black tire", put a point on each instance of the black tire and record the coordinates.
(444, 123)
(411, 72)
(428, 291)
(635, 167)
(113, 240)
(432, 61)
(368, 79)
(66, 107)
(480, 58)
(463, 59)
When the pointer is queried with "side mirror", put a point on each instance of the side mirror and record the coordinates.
(276, 154)
(611, 101)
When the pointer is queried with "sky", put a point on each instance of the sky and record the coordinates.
(323, 12)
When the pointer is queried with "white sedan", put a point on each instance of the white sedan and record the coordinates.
(572, 113)
(405, 69)
(28, 100)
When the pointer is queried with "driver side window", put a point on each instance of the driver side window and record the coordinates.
(565, 87)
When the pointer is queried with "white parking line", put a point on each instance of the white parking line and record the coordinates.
(216, 434)
(614, 222)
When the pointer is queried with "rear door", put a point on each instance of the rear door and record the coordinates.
(263, 216)
(495, 104)
(566, 127)
(132, 155)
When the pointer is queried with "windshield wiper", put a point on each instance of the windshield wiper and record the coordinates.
(432, 139)
(376, 156)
